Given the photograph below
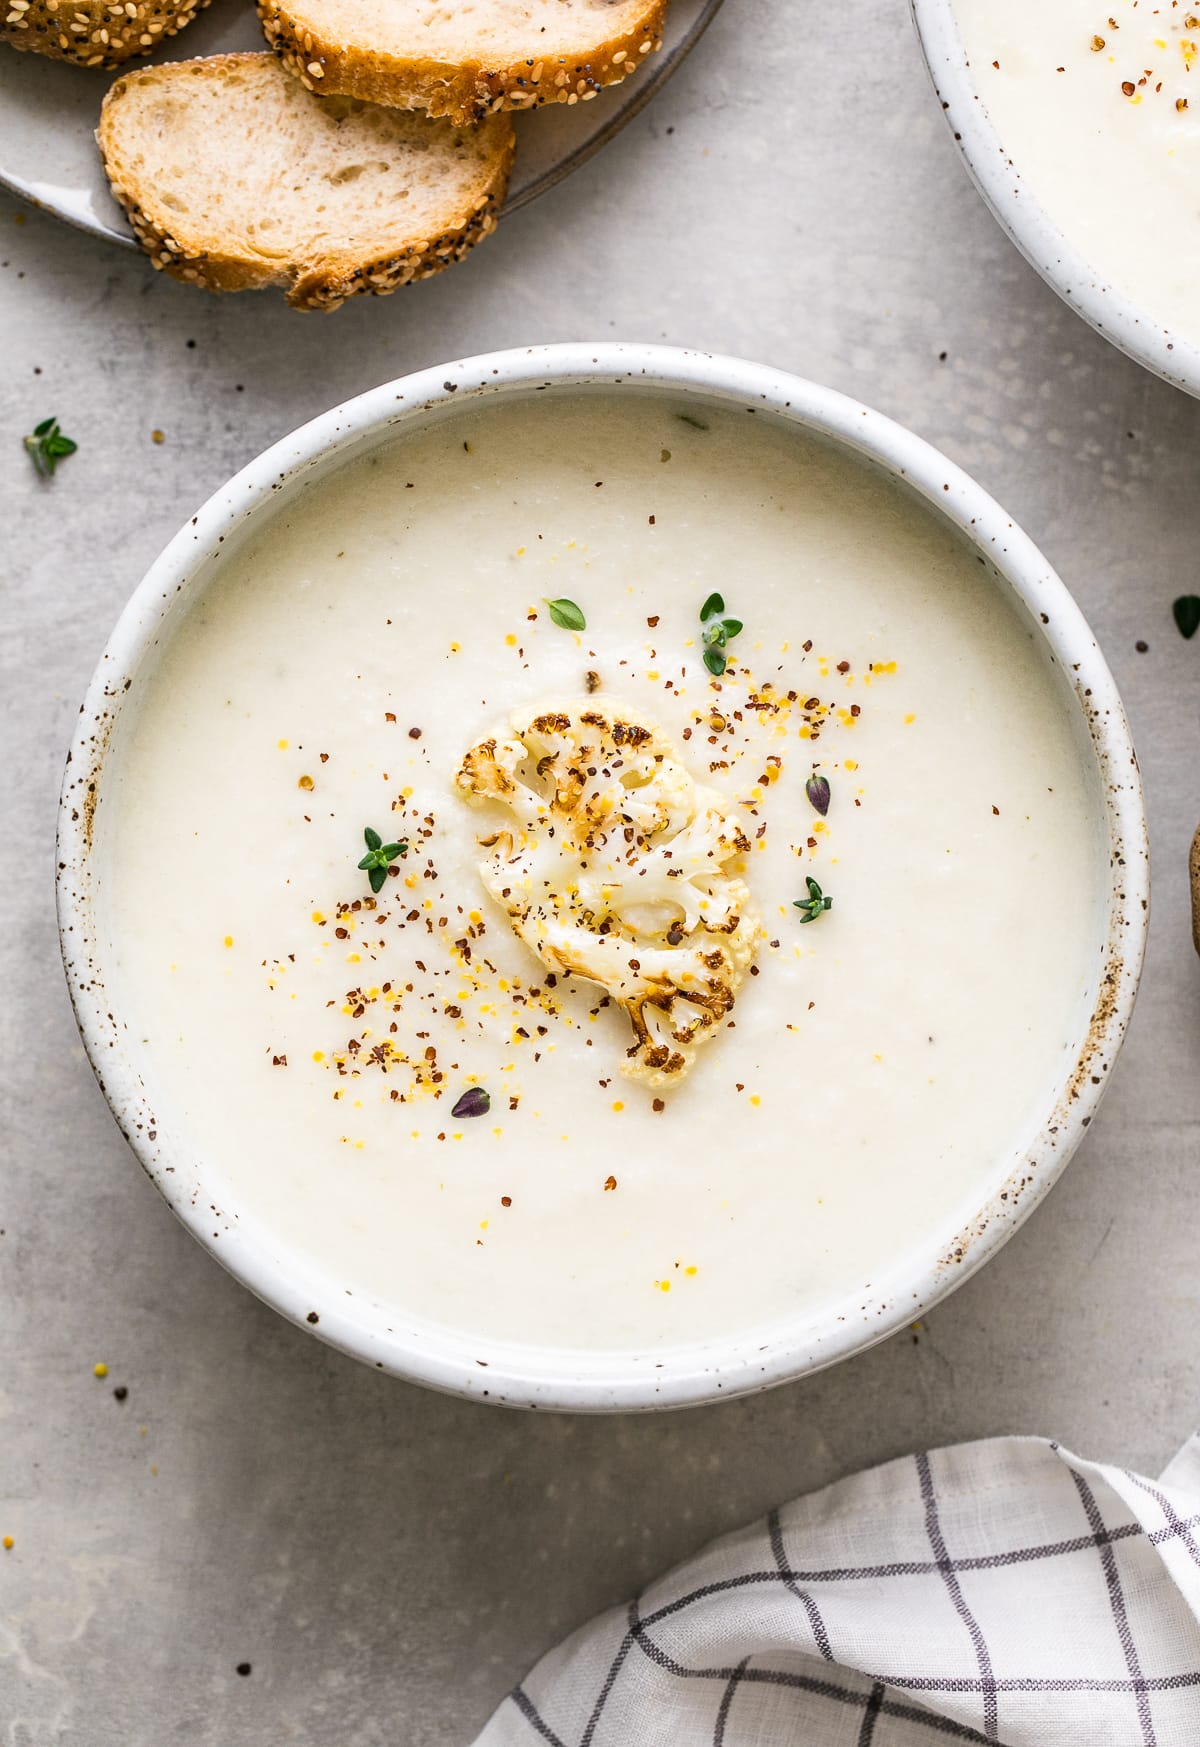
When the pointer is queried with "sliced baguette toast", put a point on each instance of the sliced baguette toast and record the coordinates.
(236, 178)
(94, 33)
(464, 60)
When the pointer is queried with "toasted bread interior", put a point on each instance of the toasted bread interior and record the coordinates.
(235, 154)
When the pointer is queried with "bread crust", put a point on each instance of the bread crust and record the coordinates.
(94, 33)
(462, 92)
(323, 284)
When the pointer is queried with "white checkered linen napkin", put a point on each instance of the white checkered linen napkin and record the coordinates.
(1003, 1591)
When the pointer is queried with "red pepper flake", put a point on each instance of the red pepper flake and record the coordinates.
(658, 1105)
(653, 620)
(389, 715)
(996, 811)
(609, 1183)
(413, 733)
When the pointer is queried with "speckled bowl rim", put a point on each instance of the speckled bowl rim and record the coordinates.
(544, 1377)
(1114, 315)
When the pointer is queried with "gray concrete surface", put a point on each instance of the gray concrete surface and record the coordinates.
(387, 1561)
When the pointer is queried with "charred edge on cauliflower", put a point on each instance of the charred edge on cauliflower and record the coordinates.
(614, 870)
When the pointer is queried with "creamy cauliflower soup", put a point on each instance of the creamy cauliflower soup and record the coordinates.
(601, 873)
(1097, 104)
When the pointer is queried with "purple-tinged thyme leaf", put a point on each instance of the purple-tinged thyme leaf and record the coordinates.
(474, 1102)
(817, 790)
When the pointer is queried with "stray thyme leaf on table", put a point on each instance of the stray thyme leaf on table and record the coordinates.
(47, 446)
(1187, 614)
(815, 904)
(567, 615)
(379, 857)
(717, 632)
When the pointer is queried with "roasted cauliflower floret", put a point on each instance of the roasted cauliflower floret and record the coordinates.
(611, 864)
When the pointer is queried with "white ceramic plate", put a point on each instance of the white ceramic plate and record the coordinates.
(49, 111)
(557, 1377)
(1014, 202)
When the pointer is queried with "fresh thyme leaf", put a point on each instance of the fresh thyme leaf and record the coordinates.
(717, 632)
(689, 418)
(1187, 614)
(567, 615)
(474, 1102)
(815, 904)
(47, 446)
(379, 857)
(817, 790)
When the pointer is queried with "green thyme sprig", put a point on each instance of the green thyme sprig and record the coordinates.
(815, 904)
(717, 632)
(567, 615)
(47, 446)
(379, 857)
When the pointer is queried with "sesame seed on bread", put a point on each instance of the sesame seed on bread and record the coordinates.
(94, 33)
(236, 178)
(464, 61)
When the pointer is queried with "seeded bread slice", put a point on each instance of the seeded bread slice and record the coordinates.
(235, 178)
(94, 33)
(464, 60)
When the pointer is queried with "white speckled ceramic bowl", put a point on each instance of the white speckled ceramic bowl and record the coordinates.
(534, 1377)
(1014, 202)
